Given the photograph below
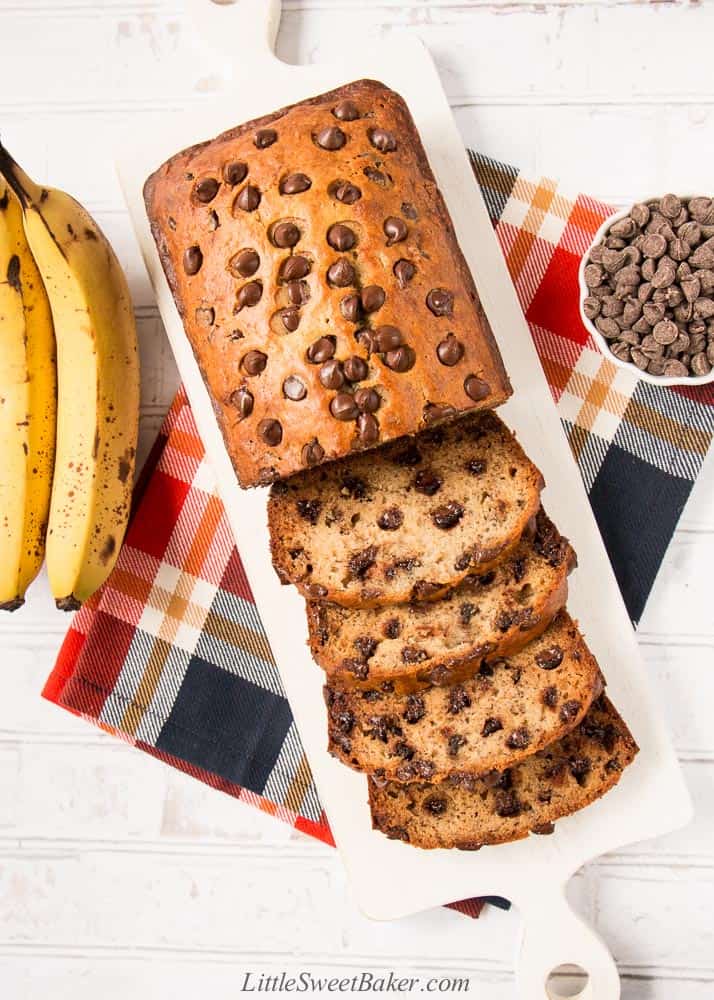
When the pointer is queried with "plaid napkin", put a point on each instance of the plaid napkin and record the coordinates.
(171, 654)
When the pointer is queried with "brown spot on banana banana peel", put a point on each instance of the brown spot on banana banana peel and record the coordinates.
(95, 446)
(125, 465)
(69, 603)
(4, 201)
(13, 273)
(108, 549)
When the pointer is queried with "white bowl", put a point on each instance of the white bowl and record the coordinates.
(602, 342)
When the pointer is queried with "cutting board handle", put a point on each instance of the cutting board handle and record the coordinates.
(243, 31)
(553, 935)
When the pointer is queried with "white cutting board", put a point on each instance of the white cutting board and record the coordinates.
(390, 879)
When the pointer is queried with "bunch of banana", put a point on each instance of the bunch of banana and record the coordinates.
(97, 398)
(28, 408)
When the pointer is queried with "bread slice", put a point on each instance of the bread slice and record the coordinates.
(407, 521)
(441, 642)
(509, 710)
(526, 798)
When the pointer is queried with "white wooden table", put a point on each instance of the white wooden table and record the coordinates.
(120, 877)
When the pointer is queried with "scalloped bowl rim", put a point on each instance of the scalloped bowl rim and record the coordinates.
(598, 337)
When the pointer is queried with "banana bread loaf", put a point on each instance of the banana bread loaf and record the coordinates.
(315, 266)
(511, 709)
(527, 798)
(440, 642)
(407, 521)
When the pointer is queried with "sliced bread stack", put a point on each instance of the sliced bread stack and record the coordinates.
(436, 589)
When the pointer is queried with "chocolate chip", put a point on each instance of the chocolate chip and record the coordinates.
(341, 273)
(213, 222)
(367, 428)
(345, 192)
(378, 177)
(254, 362)
(409, 212)
(235, 173)
(290, 319)
(330, 138)
(392, 628)
(341, 237)
(457, 699)
(475, 388)
(248, 199)
(346, 111)
(448, 515)
(507, 805)
(343, 407)
(295, 184)
(427, 482)
(550, 696)
(435, 804)
(309, 510)
(455, 743)
(440, 301)
(242, 399)
(206, 189)
(294, 389)
(265, 137)
(321, 350)
(312, 453)
(298, 292)
(382, 140)
(402, 359)
(372, 298)
(356, 370)
(367, 399)
(491, 725)
(404, 271)
(519, 739)
(549, 658)
(579, 768)
(192, 260)
(351, 308)
(476, 466)
(361, 562)
(437, 411)
(331, 374)
(270, 431)
(390, 520)
(285, 234)
(249, 295)
(245, 263)
(395, 230)
(386, 338)
(407, 456)
(295, 268)
(450, 351)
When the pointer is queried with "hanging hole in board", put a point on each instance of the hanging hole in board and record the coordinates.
(566, 982)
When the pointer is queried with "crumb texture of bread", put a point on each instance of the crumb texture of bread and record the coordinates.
(422, 643)
(320, 282)
(408, 521)
(512, 708)
(526, 798)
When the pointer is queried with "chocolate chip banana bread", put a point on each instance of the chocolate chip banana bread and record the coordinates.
(407, 521)
(440, 642)
(468, 813)
(509, 710)
(315, 266)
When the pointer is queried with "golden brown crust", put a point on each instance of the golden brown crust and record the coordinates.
(221, 338)
(558, 781)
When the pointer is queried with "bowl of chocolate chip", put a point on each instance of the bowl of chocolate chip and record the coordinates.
(647, 289)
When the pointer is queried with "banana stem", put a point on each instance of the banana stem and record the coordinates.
(24, 188)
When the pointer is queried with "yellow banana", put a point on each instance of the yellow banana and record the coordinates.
(27, 408)
(98, 387)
